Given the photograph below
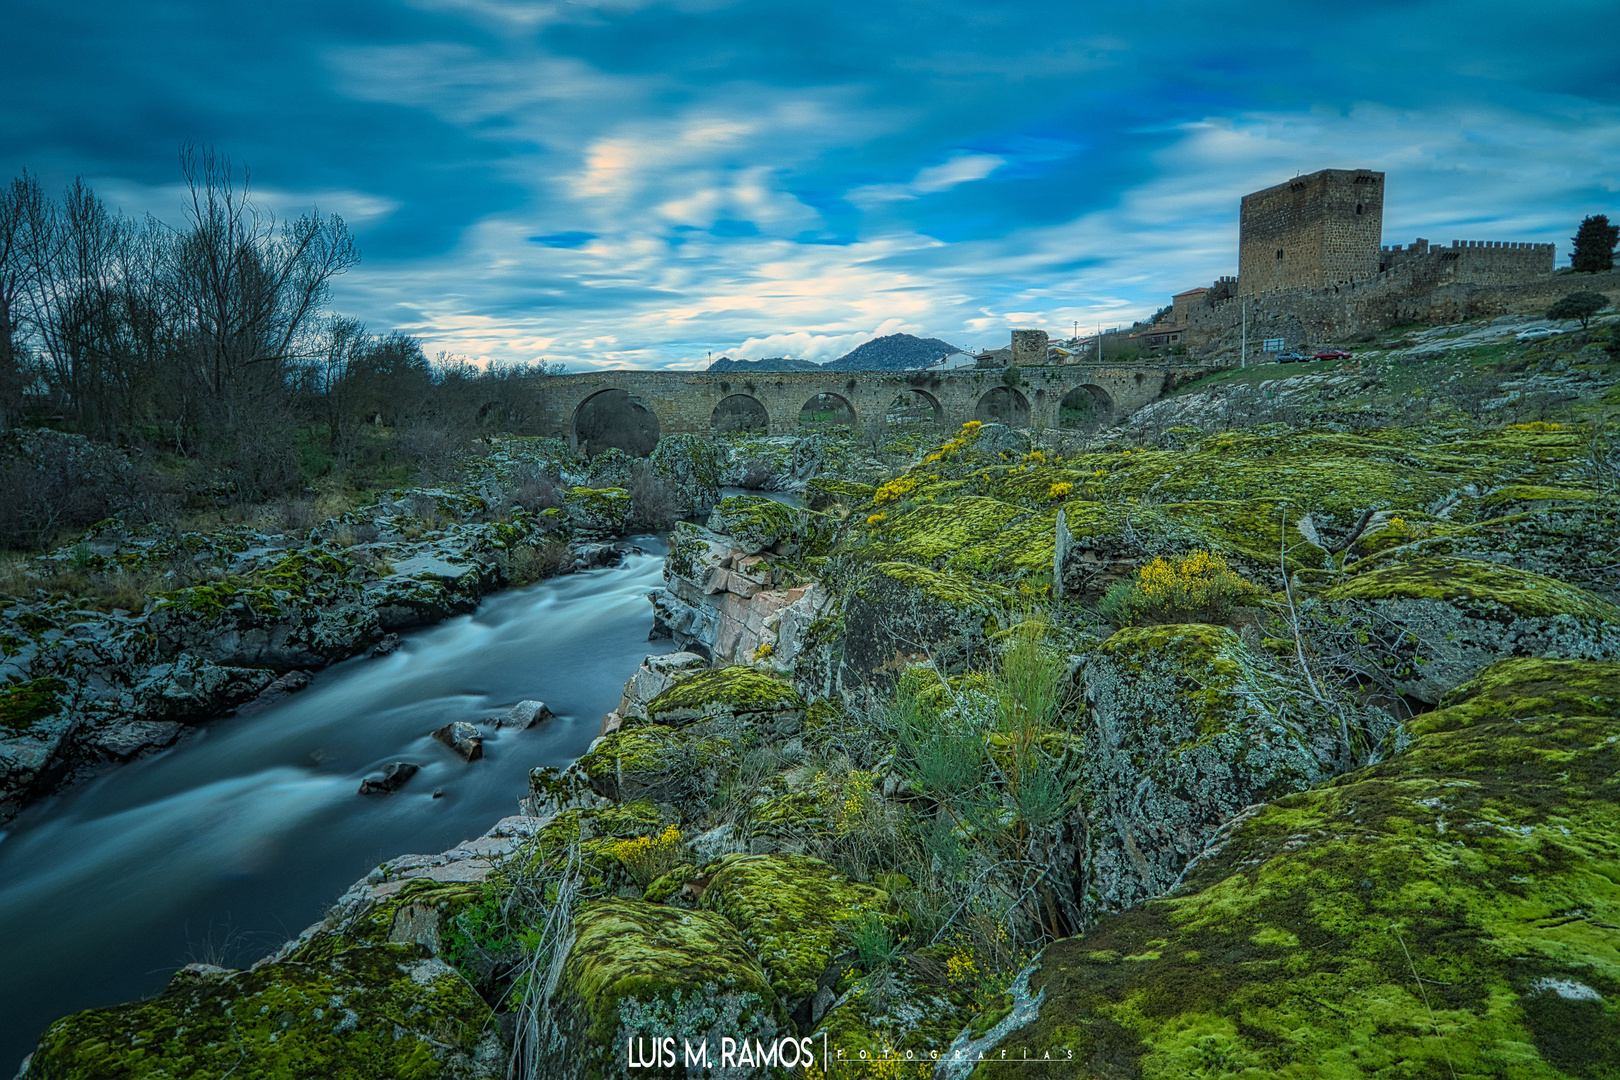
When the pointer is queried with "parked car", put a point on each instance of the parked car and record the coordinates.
(1331, 354)
(1290, 358)
(1536, 333)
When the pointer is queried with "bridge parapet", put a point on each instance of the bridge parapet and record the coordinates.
(686, 402)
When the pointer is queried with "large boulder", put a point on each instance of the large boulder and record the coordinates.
(1185, 728)
(338, 1009)
(794, 912)
(692, 467)
(597, 512)
(900, 613)
(1447, 912)
(1433, 624)
(640, 971)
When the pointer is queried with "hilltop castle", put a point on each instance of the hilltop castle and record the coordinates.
(1312, 268)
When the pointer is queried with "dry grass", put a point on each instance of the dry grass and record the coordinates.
(528, 563)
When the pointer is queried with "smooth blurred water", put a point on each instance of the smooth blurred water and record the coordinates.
(228, 844)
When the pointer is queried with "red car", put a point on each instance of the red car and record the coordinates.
(1331, 354)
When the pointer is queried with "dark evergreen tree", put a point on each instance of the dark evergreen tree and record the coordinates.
(1594, 245)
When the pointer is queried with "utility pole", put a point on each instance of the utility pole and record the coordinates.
(1243, 352)
(1099, 343)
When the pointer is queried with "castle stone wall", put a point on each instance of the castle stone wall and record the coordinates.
(1028, 347)
(1313, 231)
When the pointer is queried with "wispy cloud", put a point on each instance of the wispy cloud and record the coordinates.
(642, 182)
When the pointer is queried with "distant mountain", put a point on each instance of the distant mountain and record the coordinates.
(895, 352)
(770, 363)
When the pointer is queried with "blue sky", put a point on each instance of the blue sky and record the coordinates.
(639, 183)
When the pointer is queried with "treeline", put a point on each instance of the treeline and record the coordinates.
(212, 341)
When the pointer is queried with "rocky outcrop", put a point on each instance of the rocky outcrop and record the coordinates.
(1447, 910)
(1186, 727)
(734, 589)
(1435, 623)
(83, 688)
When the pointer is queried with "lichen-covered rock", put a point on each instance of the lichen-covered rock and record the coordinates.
(735, 691)
(655, 675)
(900, 1026)
(369, 1010)
(692, 467)
(825, 492)
(1435, 623)
(1185, 727)
(899, 612)
(596, 513)
(754, 523)
(793, 911)
(655, 762)
(639, 970)
(1449, 911)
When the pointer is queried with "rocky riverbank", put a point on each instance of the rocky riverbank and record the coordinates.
(246, 614)
(1273, 750)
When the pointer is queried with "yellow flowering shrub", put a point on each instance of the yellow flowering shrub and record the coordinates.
(849, 805)
(893, 490)
(1059, 491)
(960, 965)
(1535, 425)
(1198, 586)
(648, 857)
(876, 519)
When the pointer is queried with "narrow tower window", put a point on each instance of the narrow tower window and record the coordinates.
(1358, 208)
(1279, 254)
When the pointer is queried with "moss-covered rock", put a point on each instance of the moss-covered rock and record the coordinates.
(792, 910)
(737, 690)
(364, 1011)
(655, 762)
(598, 511)
(1434, 623)
(825, 492)
(1450, 911)
(692, 466)
(1185, 728)
(23, 704)
(646, 971)
(900, 611)
(754, 523)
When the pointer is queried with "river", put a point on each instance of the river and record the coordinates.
(228, 844)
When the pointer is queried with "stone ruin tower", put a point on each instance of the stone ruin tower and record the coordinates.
(1313, 232)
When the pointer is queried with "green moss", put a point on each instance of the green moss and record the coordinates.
(1414, 918)
(1478, 582)
(754, 520)
(792, 910)
(631, 950)
(364, 1012)
(950, 589)
(24, 704)
(741, 689)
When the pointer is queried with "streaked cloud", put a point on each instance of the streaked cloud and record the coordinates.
(643, 182)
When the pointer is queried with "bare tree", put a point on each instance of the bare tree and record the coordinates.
(251, 291)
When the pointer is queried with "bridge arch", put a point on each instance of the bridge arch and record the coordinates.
(914, 406)
(739, 412)
(1003, 405)
(1087, 407)
(614, 417)
(827, 409)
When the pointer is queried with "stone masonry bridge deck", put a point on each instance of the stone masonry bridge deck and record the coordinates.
(705, 402)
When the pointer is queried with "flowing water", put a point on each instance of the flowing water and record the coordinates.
(235, 840)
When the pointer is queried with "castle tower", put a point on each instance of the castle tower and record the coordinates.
(1311, 232)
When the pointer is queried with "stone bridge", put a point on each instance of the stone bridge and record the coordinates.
(633, 409)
